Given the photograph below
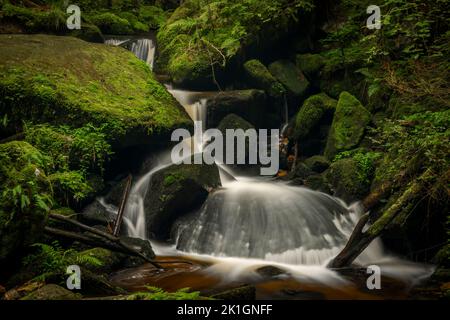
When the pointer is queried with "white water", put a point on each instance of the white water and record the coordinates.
(252, 223)
(144, 49)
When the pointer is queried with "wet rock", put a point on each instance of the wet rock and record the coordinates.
(259, 77)
(270, 271)
(346, 182)
(143, 246)
(52, 292)
(248, 104)
(317, 163)
(301, 171)
(96, 213)
(349, 123)
(317, 182)
(290, 77)
(97, 284)
(311, 113)
(242, 293)
(174, 192)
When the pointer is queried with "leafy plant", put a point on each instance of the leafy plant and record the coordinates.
(52, 259)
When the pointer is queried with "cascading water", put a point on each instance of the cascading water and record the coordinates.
(144, 49)
(252, 222)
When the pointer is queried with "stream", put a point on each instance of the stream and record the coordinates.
(256, 230)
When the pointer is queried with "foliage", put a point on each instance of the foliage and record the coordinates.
(366, 162)
(202, 34)
(110, 23)
(155, 293)
(420, 140)
(51, 260)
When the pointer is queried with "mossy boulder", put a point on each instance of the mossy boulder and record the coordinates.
(64, 80)
(109, 23)
(259, 77)
(25, 198)
(52, 292)
(311, 113)
(346, 181)
(233, 121)
(317, 163)
(349, 123)
(310, 64)
(317, 182)
(89, 33)
(176, 191)
(290, 77)
(108, 260)
(248, 104)
(189, 46)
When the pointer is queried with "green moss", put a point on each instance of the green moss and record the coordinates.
(346, 180)
(64, 80)
(153, 16)
(290, 77)
(310, 114)
(32, 20)
(233, 121)
(189, 43)
(154, 293)
(110, 23)
(310, 64)
(349, 123)
(260, 78)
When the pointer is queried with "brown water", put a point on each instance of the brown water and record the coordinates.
(195, 276)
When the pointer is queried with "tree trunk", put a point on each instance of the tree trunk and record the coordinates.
(360, 240)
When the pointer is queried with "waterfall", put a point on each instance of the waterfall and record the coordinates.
(253, 218)
(144, 49)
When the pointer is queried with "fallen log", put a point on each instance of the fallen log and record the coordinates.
(101, 235)
(360, 240)
(123, 202)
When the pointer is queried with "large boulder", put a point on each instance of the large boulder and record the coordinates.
(259, 77)
(290, 77)
(248, 104)
(189, 48)
(60, 80)
(346, 180)
(176, 191)
(349, 123)
(235, 122)
(25, 198)
(311, 113)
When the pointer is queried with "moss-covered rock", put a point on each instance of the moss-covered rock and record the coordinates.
(174, 192)
(89, 33)
(25, 198)
(65, 80)
(260, 78)
(290, 77)
(349, 123)
(233, 121)
(317, 163)
(318, 182)
(346, 182)
(189, 45)
(110, 23)
(108, 260)
(310, 64)
(310, 114)
(52, 292)
(248, 104)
